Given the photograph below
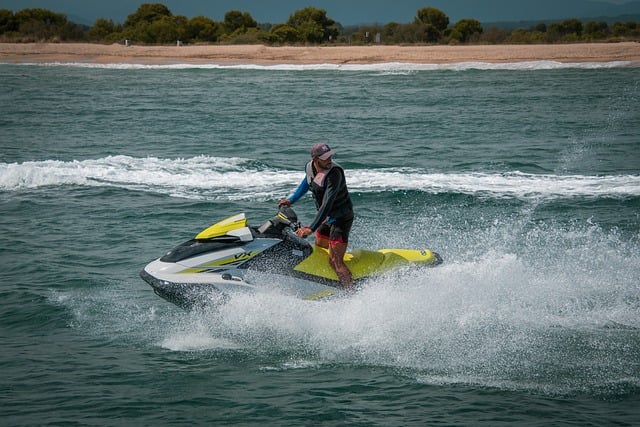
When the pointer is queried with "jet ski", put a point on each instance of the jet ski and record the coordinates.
(231, 257)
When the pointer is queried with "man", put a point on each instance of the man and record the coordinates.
(334, 218)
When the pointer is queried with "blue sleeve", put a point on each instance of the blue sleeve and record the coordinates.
(300, 191)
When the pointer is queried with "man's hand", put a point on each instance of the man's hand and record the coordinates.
(284, 202)
(303, 232)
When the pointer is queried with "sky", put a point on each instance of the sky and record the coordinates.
(346, 12)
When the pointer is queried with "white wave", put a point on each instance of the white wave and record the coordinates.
(508, 185)
(205, 177)
(381, 67)
(217, 177)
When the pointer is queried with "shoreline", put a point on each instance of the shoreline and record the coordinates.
(269, 55)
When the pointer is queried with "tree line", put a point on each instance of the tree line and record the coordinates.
(153, 23)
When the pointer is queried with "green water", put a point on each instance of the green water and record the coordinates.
(525, 179)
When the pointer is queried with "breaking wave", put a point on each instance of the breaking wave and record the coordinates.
(218, 178)
(381, 67)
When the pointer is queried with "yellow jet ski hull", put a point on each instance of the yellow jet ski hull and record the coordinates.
(362, 263)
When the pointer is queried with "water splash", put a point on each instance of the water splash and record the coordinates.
(558, 316)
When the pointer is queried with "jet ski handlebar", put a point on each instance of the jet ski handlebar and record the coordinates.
(286, 217)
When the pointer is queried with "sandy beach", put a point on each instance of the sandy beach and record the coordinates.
(259, 54)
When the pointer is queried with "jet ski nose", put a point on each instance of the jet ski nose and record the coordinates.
(185, 295)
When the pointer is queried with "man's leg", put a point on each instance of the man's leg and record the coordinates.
(333, 237)
(322, 241)
(336, 257)
(322, 235)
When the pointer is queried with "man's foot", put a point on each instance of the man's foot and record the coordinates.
(345, 278)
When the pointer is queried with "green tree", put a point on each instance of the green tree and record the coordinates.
(235, 21)
(428, 33)
(73, 31)
(572, 26)
(202, 29)
(8, 21)
(464, 29)
(41, 23)
(596, 30)
(101, 29)
(430, 24)
(310, 31)
(146, 14)
(154, 23)
(432, 16)
(626, 29)
(313, 25)
(568, 30)
(166, 29)
(43, 16)
(395, 33)
(285, 33)
(390, 32)
(252, 35)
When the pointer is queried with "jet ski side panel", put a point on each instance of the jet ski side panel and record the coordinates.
(362, 263)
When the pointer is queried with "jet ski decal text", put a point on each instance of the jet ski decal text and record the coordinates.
(231, 260)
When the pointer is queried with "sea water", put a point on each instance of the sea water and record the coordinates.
(525, 177)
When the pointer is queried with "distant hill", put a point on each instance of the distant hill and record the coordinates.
(526, 24)
(518, 10)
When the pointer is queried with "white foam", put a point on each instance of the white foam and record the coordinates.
(205, 177)
(502, 185)
(381, 67)
(196, 341)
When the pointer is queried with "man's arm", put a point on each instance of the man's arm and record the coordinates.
(302, 189)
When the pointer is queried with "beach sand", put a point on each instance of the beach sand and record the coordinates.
(269, 55)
